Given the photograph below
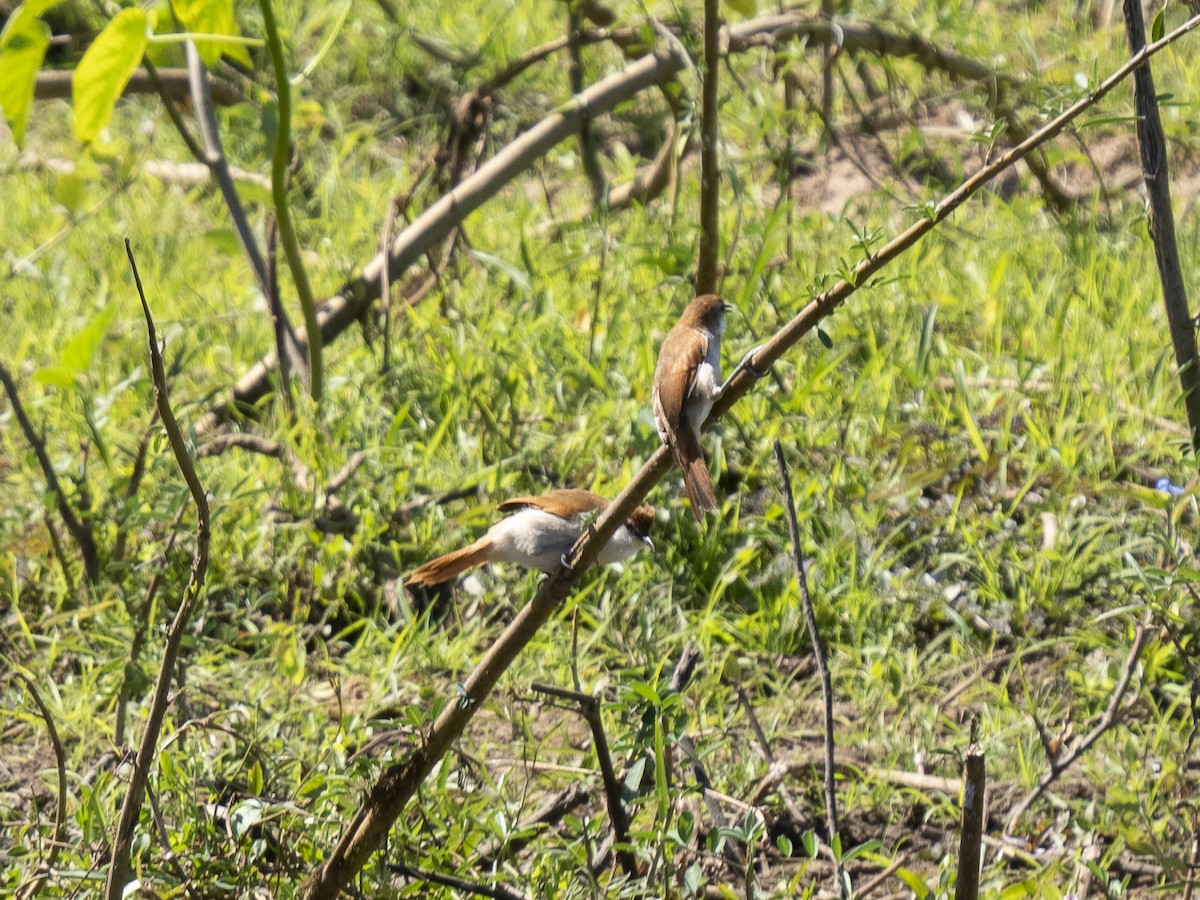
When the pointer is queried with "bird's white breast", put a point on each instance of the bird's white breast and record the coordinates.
(539, 539)
(704, 387)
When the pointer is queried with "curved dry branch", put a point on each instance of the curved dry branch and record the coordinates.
(396, 786)
(131, 807)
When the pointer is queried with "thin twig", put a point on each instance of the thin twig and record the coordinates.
(1153, 145)
(589, 708)
(241, 440)
(495, 891)
(287, 231)
(819, 656)
(80, 530)
(136, 473)
(789, 802)
(59, 553)
(213, 156)
(710, 162)
(288, 356)
(1112, 715)
(385, 285)
(169, 104)
(114, 886)
(31, 889)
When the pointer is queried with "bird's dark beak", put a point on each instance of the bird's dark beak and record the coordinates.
(649, 543)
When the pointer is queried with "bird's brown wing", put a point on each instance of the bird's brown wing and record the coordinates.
(682, 353)
(567, 502)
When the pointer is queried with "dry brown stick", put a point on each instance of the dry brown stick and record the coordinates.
(868, 887)
(1111, 716)
(577, 38)
(385, 800)
(1153, 146)
(589, 707)
(243, 441)
(707, 278)
(114, 885)
(966, 886)
(56, 85)
(495, 891)
(819, 657)
(81, 532)
(31, 888)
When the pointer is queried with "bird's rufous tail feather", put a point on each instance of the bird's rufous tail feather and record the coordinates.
(696, 482)
(450, 566)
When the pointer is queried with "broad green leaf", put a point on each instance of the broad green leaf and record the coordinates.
(105, 70)
(77, 354)
(55, 376)
(211, 17)
(746, 8)
(23, 44)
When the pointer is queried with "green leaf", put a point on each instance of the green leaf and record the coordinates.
(1158, 28)
(809, 841)
(105, 70)
(746, 8)
(211, 17)
(55, 376)
(915, 883)
(77, 355)
(23, 44)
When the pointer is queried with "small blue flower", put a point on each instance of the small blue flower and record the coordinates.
(1164, 485)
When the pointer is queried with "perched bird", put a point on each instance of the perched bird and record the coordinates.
(538, 534)
(687, 382)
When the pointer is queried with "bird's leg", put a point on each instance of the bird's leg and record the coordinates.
(745, 365)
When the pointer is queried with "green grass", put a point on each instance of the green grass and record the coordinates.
(970, 458)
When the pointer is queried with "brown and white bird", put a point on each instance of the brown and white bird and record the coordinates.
(687, 382)
(538, 534)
